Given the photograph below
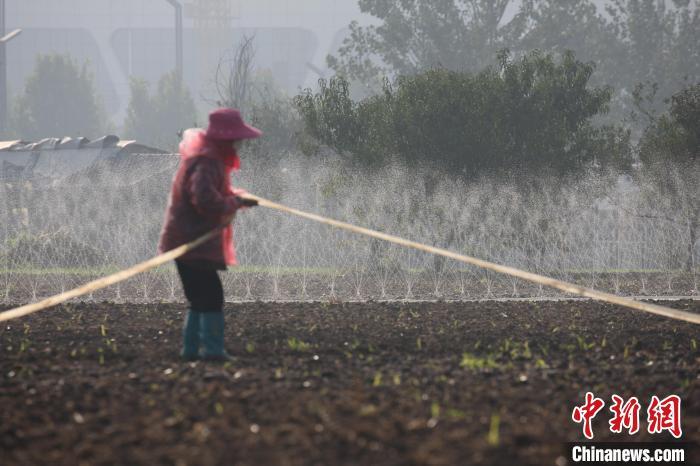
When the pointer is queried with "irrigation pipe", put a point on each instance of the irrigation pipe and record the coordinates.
(177, 252)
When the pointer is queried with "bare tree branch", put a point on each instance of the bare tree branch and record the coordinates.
(233, 78)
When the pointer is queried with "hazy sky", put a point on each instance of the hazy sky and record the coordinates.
(324, 17)
(102, 19)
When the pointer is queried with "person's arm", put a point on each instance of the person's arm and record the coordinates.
(204, 195)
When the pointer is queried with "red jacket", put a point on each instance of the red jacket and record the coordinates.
(200, 199)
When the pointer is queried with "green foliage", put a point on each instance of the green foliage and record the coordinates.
(669, 151)
(634, 41)
(675, 135)
(493, 436)
(272, 112)
(529, 114)
(296, 344)
(657, 42)
(331, 115)
(473, 362)
(159, 118)
(58, 100)
(418, 35)
(631, 41)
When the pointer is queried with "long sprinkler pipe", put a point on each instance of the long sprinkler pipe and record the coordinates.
(177, 252)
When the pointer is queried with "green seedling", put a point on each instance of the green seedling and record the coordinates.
(473, 362)
(435, 410)
(24, 345)
(582, 343)
(541, 364)
(219, 408)
(109, 343)
(455, 414)
(298, 345)
(515, 350)
(494, 427)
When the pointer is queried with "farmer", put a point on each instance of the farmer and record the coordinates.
(201, 200)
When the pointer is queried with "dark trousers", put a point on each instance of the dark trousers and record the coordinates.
(202, 287)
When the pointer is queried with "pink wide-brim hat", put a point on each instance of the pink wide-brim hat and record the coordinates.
(226, 124)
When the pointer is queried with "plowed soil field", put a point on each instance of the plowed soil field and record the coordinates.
(336, 383)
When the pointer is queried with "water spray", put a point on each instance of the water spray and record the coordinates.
(532, 277)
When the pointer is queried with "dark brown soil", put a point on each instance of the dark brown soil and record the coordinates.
(333, 383)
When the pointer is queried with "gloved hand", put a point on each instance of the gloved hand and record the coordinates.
(240, 197)
(246, 202)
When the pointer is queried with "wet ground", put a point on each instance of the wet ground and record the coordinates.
(332, 383)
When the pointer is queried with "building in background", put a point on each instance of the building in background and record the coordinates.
(135, 38)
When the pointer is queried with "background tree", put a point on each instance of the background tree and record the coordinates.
(660, 45)
(238, 84)
(140, 122)
(234, 78)
(630, 41)
(59, 100)
(675, 136)
(159, 118)
(635, 41)
(417, 35)
(578, 25)
(670, 156)
(531, 114)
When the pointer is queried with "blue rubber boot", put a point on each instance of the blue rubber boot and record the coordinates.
(211, 334)
(190, 337)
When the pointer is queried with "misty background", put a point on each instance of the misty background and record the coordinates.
(561, 137)
(136, 38)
